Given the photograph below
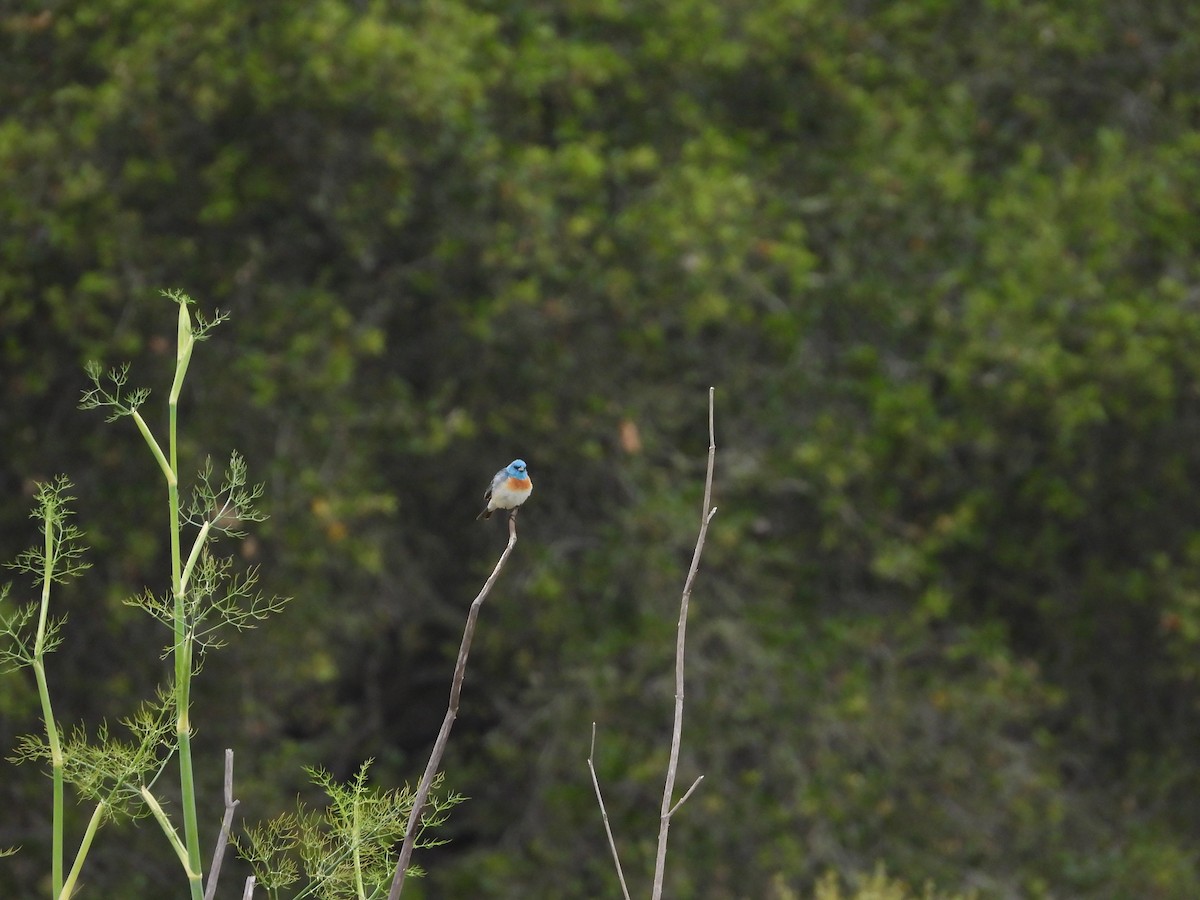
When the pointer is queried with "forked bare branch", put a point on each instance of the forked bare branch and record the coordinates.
(668, 809)
(210, 889)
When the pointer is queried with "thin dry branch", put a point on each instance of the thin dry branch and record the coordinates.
(210, 890)
(668, 809)
(612, 844)
(248, 890)
(682, 800)
(439, 745)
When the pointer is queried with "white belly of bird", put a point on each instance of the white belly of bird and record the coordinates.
(505, 497)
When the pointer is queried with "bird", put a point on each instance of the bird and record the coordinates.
(510, 487)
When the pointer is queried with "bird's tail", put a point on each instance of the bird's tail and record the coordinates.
(486, 514)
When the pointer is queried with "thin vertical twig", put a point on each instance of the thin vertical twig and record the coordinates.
(214, 871)
(439, 745)
(668, 809)
(248, 890)
(612, 844)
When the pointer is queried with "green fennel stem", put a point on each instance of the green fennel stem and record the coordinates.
(183, 659)
(52, 738)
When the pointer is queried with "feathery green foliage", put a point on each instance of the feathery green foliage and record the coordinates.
(56, 560)
(118, 776)
(107, 770)
(349, 849)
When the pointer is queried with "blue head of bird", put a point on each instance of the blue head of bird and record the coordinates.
(516, 469)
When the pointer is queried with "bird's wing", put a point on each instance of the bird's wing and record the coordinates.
(496, 479)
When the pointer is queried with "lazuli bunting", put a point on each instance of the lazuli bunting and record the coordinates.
(510, 488)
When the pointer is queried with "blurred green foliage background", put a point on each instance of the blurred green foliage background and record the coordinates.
(939, 260)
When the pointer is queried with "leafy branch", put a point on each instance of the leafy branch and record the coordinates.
(18, 639)
(56, 560)
(214, 594)
(109, 771)
(111, 396)
(205, 593)
(345, 851)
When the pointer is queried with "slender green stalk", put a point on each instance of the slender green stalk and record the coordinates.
(183, 645)
(50, 522)
(56, 774)
(356, 838)
(68, 887)
(197, 546)
(183, 679)
(160, 816)
(167, 470)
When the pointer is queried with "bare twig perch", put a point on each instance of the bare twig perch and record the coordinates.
(668, 810)
(214, 872)
(439, 746)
